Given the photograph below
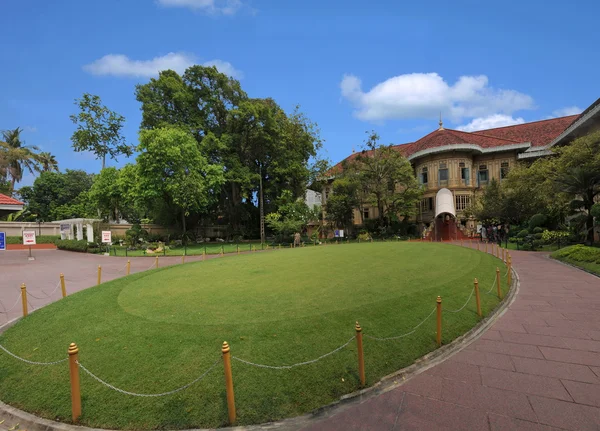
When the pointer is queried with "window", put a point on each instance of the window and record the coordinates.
(424, 179)
(483, 174)
(426, 204)
(503, 170)
(462, 202)
(465, 174)
(365, 213)
(443, 172)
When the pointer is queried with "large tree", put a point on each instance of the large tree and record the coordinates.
(56, 196)
(387, 180)
(47, 162)
(339, 208)
(172, 170)
(99, 129)
(263, 150)
(16, 158)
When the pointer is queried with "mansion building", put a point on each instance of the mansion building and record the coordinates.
(453, 166)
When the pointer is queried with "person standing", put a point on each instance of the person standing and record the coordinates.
(297, 239)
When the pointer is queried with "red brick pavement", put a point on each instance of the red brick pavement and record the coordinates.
(537, 368)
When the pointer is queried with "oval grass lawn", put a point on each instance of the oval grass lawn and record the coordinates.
(156, 331)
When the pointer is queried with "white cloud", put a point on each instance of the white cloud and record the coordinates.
(425, 95)
(564, 112)
(121, 65)
(216, 7)
(490, 122)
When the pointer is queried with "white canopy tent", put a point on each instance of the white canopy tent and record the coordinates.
(66, 228)
(444, 203)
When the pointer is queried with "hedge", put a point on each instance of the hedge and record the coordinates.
(73, 245)
(39, 239)
(578, 253)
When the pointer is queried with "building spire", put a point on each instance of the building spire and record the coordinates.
(441, 123)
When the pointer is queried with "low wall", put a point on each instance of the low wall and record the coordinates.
(16, 228)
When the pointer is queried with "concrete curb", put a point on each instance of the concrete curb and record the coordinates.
(385, 384)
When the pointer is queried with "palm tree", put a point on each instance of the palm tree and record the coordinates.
(47, 162)
(17, 156)
(583, 184)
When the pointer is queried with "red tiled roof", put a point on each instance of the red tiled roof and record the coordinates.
(7, 200)
(538, 133)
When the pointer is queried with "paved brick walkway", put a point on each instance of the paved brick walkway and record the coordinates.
(537, 368)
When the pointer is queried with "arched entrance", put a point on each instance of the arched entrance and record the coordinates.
(445, 216)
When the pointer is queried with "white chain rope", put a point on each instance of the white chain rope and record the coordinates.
(114, 388)
(48, 295)
(11, 308)
(287, 367)
(31, 362)
(465, 304)
(412, 331)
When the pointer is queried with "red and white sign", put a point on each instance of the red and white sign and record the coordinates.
(29, 237)
(106, 237)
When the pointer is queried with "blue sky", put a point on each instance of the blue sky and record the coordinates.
(352, 65)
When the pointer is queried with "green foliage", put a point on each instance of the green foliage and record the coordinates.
(136, 235)
(72, 245)
(550, 237)
(386, 179)
(538, 235)
(173, 171)
(16, 158)
(578, 253)
(58, 196)
(293, 216)
(39, 239)
(114, 194)
(523, 233)
(595, 211)
(488, 206)
(538, 230)
(98, 129)
(342, 201)
(536, 221)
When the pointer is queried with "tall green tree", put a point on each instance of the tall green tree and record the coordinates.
(387, 180)
(99, 129)
(57, 196)
(172, 169)
(15, 157)
(339, 208)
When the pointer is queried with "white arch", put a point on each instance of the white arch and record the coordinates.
(444, 202)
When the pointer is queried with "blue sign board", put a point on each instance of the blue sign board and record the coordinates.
(2, 240)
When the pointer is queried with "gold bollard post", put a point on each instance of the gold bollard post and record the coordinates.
(204, 255)
(477, 245)
(228, 382)
(361, 357)
(183, 258)
(128, 267)
(486, 247)
(62, 285)
(509, 275)
(498, 283)
(24, 299)
(156, 262)
(503, 254)
(99, 274)
(439, 321)
(75, 389)
(477, 299)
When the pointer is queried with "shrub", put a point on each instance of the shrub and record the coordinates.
(73, 245)
(537, 220)
(550, 237)
(523, 233)
(41, 239)
(538, 235)
(538, 230)
(579, 253)
(364, 236)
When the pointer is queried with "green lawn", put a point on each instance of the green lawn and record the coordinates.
(155, 331)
